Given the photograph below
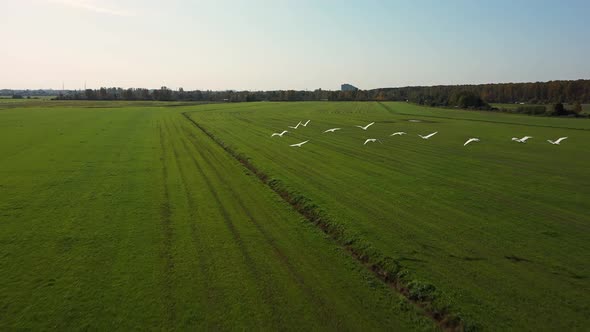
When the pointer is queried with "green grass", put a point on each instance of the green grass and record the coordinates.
(490, 117)
(501, 229)
(126, 216)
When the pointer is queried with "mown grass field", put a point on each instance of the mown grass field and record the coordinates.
(500, 229)
(125, 216)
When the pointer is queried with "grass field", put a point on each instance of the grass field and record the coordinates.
(126, 215)
(501, 229)
(130, 218)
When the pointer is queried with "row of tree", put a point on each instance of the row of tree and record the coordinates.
(460, 96)
(531, 93)
(166, 94)
(30, 93)
(442, 95)
(558, 109)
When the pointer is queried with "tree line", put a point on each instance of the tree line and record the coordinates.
(460, 96)
(530, 93)
(166, 94)
(442, 95)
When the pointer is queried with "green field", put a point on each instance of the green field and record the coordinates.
(126, 215)
(130, 218)
(501, 229)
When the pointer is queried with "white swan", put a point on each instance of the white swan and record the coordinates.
(299, 144)
(366, 127)
(332, 130)
(280, 135)
(428, 136)
(557, 141)
(521, 140)
(372, 140)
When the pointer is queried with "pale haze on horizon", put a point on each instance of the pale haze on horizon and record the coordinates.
(271, 45)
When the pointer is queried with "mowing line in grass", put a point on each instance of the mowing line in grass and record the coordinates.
(296, 276)
(495, 226)
(250, 263)
(378, 265)
(168, 234)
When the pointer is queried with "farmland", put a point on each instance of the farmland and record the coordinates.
(501, 229)
(161, 215)
(127, 217)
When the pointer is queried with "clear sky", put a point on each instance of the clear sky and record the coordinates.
(304, 44)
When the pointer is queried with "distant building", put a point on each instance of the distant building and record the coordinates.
(348, 87)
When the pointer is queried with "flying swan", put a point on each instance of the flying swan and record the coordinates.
(299, 144)
(429, 135)
(371, 140)
(557, 141)
(366, 127)
(280, 135)
(332, 130)
(471, 140)
(521, 140)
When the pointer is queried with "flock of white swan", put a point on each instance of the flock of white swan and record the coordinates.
(399, 133)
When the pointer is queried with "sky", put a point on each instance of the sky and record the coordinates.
(281, 44)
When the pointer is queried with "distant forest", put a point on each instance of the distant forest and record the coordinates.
(30, 93)
(461, 96)
(442, 95)
(531, 93)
